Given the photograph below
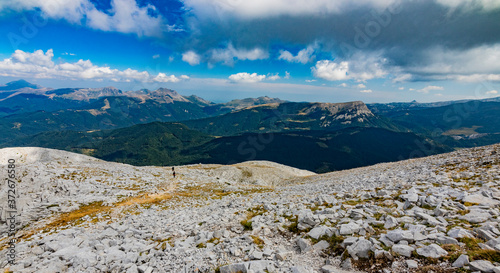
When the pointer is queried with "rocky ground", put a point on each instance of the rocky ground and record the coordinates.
(80, 214)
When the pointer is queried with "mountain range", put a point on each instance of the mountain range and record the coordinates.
(162, 127)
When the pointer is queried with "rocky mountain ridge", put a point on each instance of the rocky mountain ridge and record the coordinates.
(291, 116)
(438, 213)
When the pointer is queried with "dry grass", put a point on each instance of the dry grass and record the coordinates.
(353, 202)
(435, 269)
(68, 217)
(75, 217)
(251, 213)
(485, 254)
(257, 241)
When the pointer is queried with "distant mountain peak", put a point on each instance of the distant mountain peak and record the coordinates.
(161, 95)
(19, 84)
(239, 104)
(86, 94)
(347, 111)
(197, 100)
(166, 90)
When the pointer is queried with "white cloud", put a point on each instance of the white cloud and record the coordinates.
(191, 58)
(162, 77)
(473, 77)
(264, 8)
(426, 89)
(70, 54)
(125, 16)
(37, 58)
(310, 80)
(272, 77)
(229, 54)
(41, 65)
(480, 63)
(360, 67)
(245, 77)
(343, 84)
(360, 86)
(156, 56)
(401, 88)
(492, 92)
(471, 4)
(366, 91)
(331, 71)
(287, 75)
(304, 56)
(367, 66)
(477, 64)
(402, 77)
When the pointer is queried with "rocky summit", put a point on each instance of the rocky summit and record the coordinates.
(79, 214)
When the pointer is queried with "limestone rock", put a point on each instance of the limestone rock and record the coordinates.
(432, 251)
(481, 265)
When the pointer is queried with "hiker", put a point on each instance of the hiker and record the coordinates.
(174, 174)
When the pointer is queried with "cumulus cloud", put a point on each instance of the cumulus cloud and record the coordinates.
(162, 77)
(303, 56)
(409, 43)
(125, 16)
(402, 36)
(274, 77)
(360, 67)
(245, 77)
(360, 86)
(331, 71)
(492, 92)
(191, 58)
(41, 65)
(366, 91)
(429, 88)
(229, 54)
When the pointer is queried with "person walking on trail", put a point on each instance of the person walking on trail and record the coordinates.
(174, 174)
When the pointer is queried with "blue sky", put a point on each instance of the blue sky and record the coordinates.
(331, 51)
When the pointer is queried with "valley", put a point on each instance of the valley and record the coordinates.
(162, 127)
